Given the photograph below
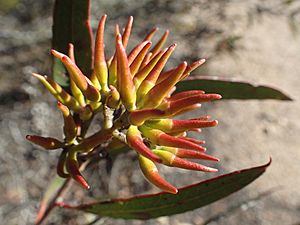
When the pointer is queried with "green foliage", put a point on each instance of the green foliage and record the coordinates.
(71, 25)
(231, 89)
(188, 198)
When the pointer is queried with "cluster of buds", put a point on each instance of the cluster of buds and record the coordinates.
(135, 97)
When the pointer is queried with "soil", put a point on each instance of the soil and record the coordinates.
(257, 41)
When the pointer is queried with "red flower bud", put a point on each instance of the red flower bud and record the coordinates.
(151, 173)
(45, 142)
(170, 159)
(135, 141)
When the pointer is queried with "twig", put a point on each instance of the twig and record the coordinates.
(60, 193)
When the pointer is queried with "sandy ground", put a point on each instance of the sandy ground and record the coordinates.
(254, 40)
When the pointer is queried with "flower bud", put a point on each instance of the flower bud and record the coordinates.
(45, 142)
(151, 173)
(138, 117)
(160, 138)
(170, 159)
(126, 87)
(155, 50)
(135, 141)
(73, 169)
(70, 128)
(151, 78)
(100, 66)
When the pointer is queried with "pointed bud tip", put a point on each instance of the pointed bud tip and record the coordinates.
(28, 137)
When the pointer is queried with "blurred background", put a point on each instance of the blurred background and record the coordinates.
(257, 41)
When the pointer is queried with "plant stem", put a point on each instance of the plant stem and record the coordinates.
(60, 193)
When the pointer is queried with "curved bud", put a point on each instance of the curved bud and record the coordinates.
(126, 86)
(151, 78)
(192, 67)
(45, 142)
(127, 31)
(138, 60)
(70, 128)
(143, 73)
(160, 138)
(73, 169)
(60, 168)
(151, 173)
(171, 126)
(100, 66)
(170, 159)
(112, 62)
(136, 51)
(173, 107)
(145, 62)
(58, 92)
(150, 34)
(186, 153)
(185, 94)
(138, 117)
(82, 82)
(157, 94)
(155, 50)
(135, 141)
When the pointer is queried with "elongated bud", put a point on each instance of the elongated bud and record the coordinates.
(76, 92)
(143, 73)
(113, 63)
(100, 66)
(73, 169)
(58, 92)
(185, 94)
(135, 141)
(93, 141)
(150, 35)
(157, 94)
(169, 125)
(136, 51)
(186, 153)
(182, 104)
(170, 159)
(151, 78)
(127, 31)
(146, 60)
(45, 142)
(126, 87)
(155, 50)
(160, 138)
(138, 117)
(192, 67)
(138, 60)
(151, 173)
(89, 91)
(199, 142)
(70, 128)
(60, 168)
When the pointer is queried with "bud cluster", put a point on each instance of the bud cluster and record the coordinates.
(136, 99)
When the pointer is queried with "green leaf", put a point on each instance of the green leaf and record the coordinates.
(188, 198)
(230, 89)
(71, 25)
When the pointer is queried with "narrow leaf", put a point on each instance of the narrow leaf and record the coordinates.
(188, 198)
(231, 89)
(71, 25)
